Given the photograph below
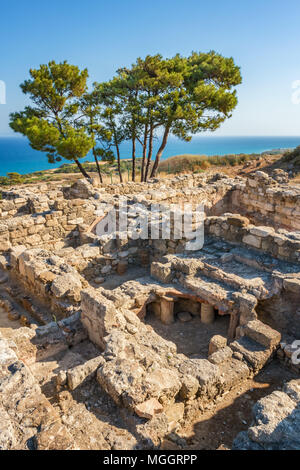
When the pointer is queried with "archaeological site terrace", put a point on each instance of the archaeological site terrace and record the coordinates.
(113, 341)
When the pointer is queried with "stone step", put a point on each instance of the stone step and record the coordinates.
(256, 282)
(255, 355)
(262, 334)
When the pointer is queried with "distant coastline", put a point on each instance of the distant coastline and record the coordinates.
(17, 156)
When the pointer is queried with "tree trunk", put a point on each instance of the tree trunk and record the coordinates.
(149, 153)
(117, 149)
(85, 174)
(119, 162)
(160, 152)
(98, 166)
(144, 154)
(133, 158)
(145, 145)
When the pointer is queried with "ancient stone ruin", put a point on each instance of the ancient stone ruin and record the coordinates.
(116, 342)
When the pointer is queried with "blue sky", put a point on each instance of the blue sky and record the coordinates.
(263, 36)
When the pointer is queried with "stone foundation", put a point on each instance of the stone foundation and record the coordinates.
(63, 286)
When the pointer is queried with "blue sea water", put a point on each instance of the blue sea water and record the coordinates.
(16, 155)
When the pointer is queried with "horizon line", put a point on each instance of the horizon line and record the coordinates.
(195, 136)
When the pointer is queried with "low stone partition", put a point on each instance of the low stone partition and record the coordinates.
(52, 228)
(266, 202)
(237, 229)
(157, 188)
(49, 278)
(28, 200)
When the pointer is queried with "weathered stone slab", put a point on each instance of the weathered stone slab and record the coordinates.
(98, 316)
(77, 375)
(262, 334)
(253, 353)
(161, 272)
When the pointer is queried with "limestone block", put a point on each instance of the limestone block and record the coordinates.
(163, 384)
(161, 272)
(174, 414)
(253, 353)
(77, 375)
(262, 334)
(262, 231)
(123, 380)
(65, 284)
(275, 421)
(252, 241)
(90, 251)
(189, 387)
(292, 285)
(98, 315)
(217, 342)
(8, 438)
(237, 220)
(220, 356)
(232, 373)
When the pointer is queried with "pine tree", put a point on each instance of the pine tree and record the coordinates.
(50, 124)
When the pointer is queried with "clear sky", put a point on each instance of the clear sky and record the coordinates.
(263, 36)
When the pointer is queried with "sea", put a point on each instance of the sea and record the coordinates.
(16, 155)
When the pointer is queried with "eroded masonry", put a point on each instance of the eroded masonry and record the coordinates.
(117, 342)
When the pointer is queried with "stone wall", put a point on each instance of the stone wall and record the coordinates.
(211, 190)
(28, 200)
(49, 278)
(266, 202)
(237, 229)
(47, 229)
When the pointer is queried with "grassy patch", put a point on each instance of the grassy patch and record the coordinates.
(194, 163)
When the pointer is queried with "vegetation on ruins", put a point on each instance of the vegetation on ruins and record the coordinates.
(154, 98)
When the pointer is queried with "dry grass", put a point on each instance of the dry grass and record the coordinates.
(194, 163)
